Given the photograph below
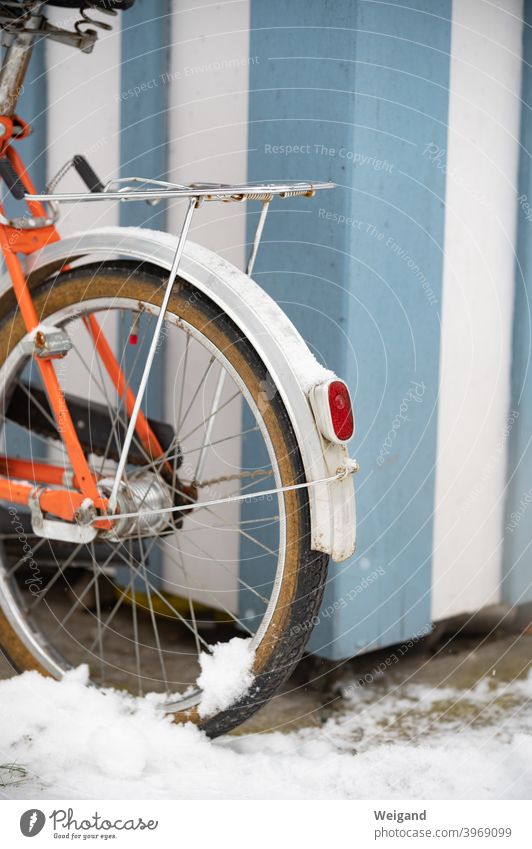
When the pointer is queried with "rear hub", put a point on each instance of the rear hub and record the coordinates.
(146, 496)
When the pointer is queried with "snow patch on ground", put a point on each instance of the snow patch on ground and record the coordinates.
(225, 675)
(79, 742)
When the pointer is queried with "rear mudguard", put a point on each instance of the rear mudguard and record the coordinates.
(291, 365)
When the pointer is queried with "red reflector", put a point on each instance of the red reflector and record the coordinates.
(133, 338)
(341, 412)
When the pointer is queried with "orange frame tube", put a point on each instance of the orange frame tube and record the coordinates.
(33, 470)
(63, 503)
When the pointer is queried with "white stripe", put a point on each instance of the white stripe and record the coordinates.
(84, 114)
(208, 103)
(478, 283)
(83, 117)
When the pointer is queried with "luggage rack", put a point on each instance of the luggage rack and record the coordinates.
(136, 189)
(143, 188)
(128, 189)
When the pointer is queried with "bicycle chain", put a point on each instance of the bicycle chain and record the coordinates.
(225, 478)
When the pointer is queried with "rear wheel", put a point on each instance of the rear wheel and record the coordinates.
(142, 606)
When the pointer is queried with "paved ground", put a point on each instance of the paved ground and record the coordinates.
(436, 687)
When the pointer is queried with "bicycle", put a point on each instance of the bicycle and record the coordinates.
(121, 528)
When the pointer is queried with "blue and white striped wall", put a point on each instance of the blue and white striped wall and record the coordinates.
(411, 279)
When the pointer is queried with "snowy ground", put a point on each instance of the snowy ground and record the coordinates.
(400, 737)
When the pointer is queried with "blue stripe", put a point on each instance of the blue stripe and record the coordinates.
(144, 103)
(143, 124)
(517, 584)
(362, 90)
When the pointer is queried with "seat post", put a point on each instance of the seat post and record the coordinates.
(15, 64)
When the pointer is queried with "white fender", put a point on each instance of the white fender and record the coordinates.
(292, 367)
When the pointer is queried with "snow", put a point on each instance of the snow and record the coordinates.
(421, 743)
(225, 675)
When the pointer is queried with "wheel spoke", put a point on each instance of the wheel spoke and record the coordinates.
(135, 629)
(153, 617)
(222, 565)
(79, 598)
(195, 394)
(98, 612)
(11, 571)
(209, 422)
(59, 573)
(190, 603)
(251, 538)
(40, 407)
(123, 592)
(114, 419)
(214, 413)
(160, 595)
